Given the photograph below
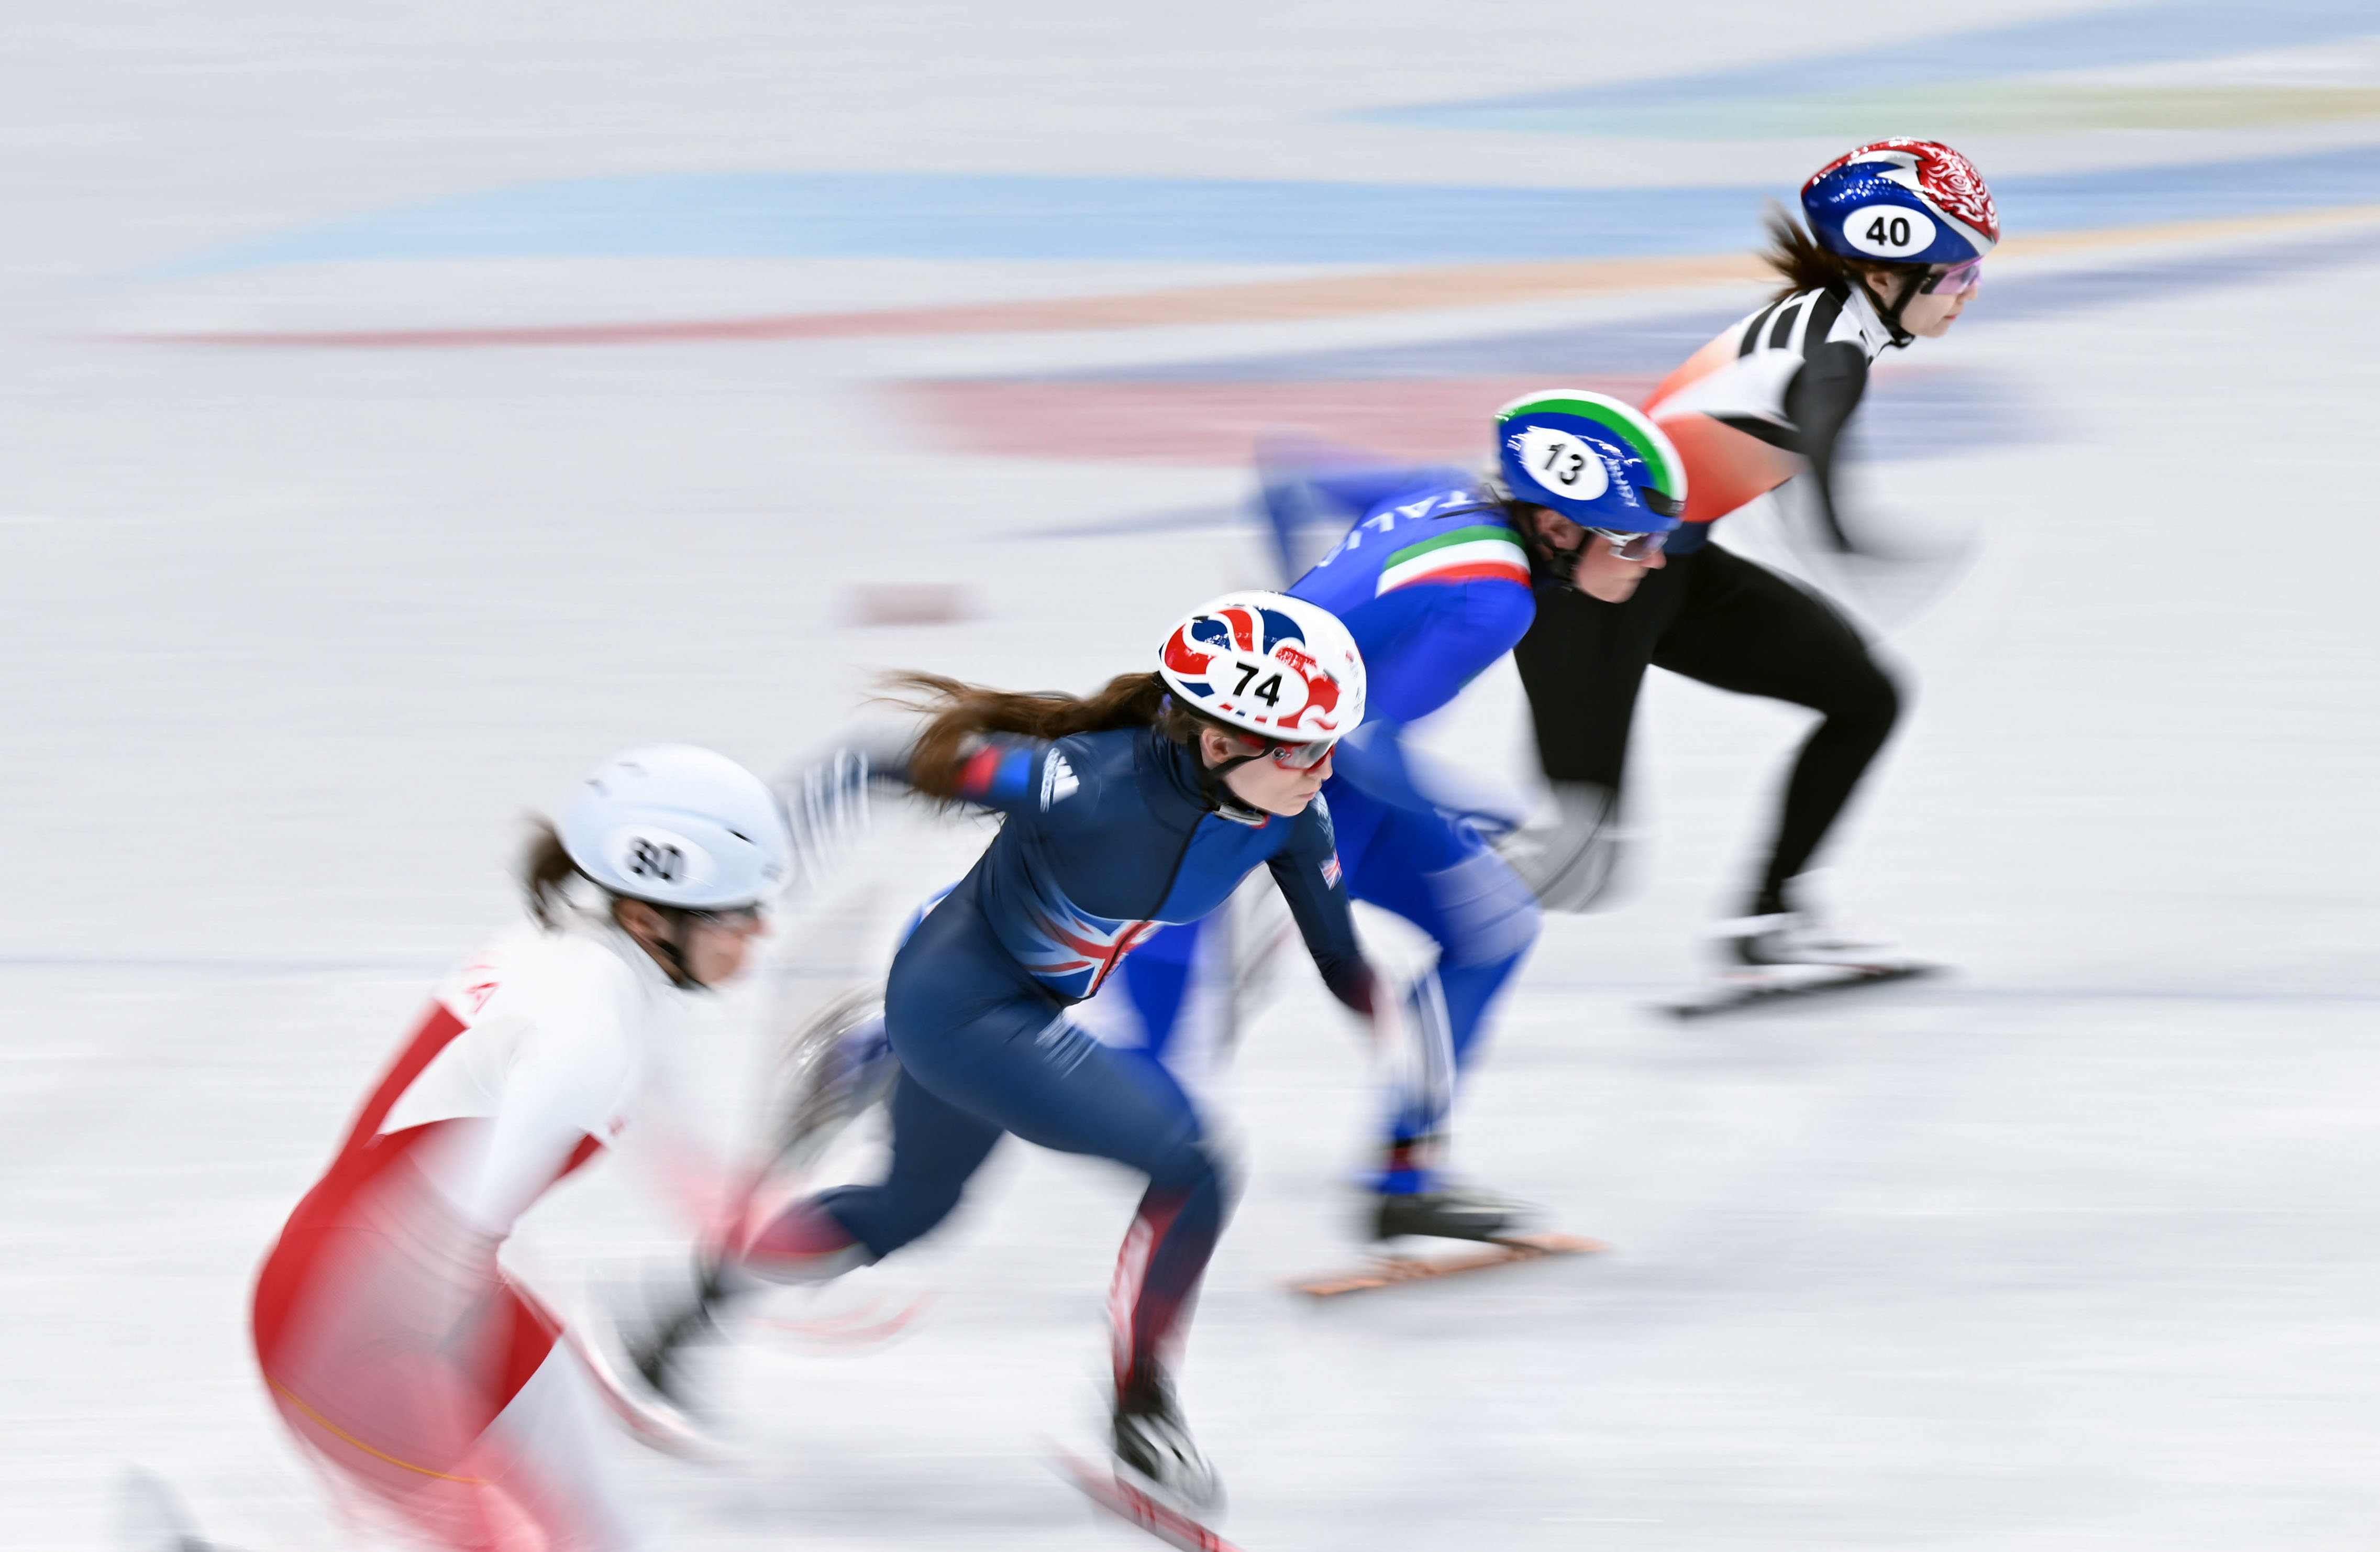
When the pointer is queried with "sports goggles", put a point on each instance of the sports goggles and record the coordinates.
(733, 918)
(1951, 281)
(1295, 757)
(1303, 757)
(1638, 547)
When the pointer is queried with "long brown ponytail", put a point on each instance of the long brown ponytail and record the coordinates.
(546, 872)
(961, 712)
(1798, 259)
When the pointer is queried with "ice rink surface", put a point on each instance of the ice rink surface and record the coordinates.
(325, 565)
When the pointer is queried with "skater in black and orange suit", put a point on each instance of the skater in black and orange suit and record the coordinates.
(1895, 235)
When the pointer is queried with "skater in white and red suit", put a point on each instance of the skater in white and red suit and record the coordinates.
(396, 1348)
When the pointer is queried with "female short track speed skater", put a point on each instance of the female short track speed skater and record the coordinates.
(396, 1348)
(1895, 235)
(1146, 804)
(1431, 576)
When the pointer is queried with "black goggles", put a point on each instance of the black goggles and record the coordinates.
(731, 918)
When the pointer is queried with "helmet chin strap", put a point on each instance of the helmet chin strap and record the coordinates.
(1891, 315)
(1559, 564)
(671, 957)
(1226, 803)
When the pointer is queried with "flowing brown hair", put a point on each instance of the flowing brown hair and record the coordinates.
(961, 712)
(546, 872)
(1796, 257)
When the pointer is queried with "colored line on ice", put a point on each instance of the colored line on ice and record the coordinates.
(1648, 347)
(1428, 399)
(937, 216)
(1796, 95)
(1407, 290)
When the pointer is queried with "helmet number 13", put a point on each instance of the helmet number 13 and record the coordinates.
(1566, 461)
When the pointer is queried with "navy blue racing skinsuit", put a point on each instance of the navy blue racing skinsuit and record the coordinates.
(1109, 834)
(1433, 583)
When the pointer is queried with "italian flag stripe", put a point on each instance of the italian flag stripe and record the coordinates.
(1484, 533)
(1492, 571)
(1459, 563)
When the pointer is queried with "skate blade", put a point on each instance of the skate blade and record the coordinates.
(652, 1420)
(872, 1324)
(1396, 1270)
(1744, 989)
(1107, 1489)
(150, 1517)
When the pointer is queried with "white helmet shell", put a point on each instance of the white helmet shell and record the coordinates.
(679, 826)
(1279, 667)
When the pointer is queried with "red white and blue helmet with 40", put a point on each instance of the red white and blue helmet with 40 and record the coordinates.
(1269, 664)
(1902, 202)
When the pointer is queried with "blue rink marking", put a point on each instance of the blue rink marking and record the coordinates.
(929, 215)
(2117, 36)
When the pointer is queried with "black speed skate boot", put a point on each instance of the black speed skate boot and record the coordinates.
(1450, 1213)
(1410, 1197)
(1154, 1448)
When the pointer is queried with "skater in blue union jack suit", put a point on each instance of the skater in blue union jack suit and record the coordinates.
(1432, 579)
(1143, 804)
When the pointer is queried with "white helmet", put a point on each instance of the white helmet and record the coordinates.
(1279, 667)
(678, 825)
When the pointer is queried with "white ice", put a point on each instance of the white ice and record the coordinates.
(2075, 1250)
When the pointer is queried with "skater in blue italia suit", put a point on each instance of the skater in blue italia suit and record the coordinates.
(1145, 804)
(1432, 580)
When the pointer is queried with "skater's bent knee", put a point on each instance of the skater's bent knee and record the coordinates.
(804, 1243)
(1868, 701)
(1490, 914)
(1192, 1167)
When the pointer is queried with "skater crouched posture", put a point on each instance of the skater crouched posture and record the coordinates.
(1432, 579)
(1148, 803)
(394, 1346)
(1897, 233)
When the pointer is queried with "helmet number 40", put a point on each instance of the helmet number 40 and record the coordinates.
(1888, 231)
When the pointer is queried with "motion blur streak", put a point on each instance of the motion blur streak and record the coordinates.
(403, 406)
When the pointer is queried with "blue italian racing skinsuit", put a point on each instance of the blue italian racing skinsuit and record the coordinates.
(1109, 836)
(1433, 582)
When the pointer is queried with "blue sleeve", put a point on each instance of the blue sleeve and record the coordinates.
(1012, 773)
(1306, 869)
(1360, 490)
(1422, 644)
(1325, 488)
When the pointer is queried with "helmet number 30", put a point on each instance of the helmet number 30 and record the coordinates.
(656, 860)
